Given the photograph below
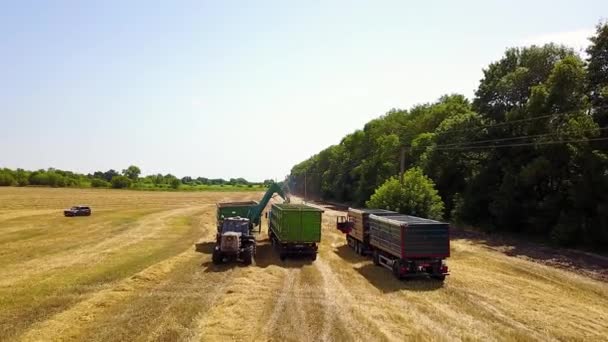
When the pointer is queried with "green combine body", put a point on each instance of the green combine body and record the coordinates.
(295, 229)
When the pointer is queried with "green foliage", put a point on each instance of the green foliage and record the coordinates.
(175, 183)
(532, 96)
(99, 183)
(6, 179)
(120, 182)
(132, 172)
(415, 196)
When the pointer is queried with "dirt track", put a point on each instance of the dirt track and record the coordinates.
(131, 272)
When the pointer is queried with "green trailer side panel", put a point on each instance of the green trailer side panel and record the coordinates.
(233, 209)
(296, 223)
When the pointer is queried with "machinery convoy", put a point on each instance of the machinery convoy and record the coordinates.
(407, 245)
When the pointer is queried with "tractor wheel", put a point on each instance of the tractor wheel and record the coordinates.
(216, 258)
(247, 255)
(376, 258)
(313, 257)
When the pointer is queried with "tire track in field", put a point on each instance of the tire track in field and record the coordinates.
(346, 308)
(71, 323)
(147, 227)
(279, 306)
(61, 324)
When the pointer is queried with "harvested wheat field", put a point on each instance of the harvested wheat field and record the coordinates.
(131, 272)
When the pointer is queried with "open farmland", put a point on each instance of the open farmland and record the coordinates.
(131, 272)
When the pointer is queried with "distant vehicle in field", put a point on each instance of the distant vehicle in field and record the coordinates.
(295, 229)
(234, 241)
(78, 210)
(407, 245)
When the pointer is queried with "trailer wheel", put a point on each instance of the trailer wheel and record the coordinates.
(396, 269)
(440, 277)
(248, 255)
(376, 258)
(282, 256)
(216, 258)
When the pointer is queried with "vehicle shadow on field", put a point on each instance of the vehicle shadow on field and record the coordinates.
(266, 256)
(348, 254)
(585, 263)
(205, 247)
(383, 278)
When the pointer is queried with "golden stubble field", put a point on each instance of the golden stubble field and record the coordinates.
(130, 272)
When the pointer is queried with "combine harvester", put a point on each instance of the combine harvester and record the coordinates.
(236, 222)
(406, 245)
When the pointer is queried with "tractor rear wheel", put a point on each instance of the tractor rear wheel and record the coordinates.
(247, 255)
(216, 257)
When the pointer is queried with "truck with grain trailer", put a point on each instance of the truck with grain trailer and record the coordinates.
(295, 229)
(357, 231)
(409, 245)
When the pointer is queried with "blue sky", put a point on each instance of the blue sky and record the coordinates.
(240, 88)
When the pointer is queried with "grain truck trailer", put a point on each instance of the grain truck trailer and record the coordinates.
(295, 229)
(357, 237)
(409, 245)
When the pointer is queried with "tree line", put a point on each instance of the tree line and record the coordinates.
(127, 178)
(527, 154)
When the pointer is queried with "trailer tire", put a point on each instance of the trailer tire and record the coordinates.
(248, 255)
(282, 256)
(440, 277)
(376, 258)
(396, 267)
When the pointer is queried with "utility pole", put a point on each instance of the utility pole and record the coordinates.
(305, 181)
(402, 168)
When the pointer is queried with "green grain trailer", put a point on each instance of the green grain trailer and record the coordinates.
(233, 209)
(295, 229)
(410, 245)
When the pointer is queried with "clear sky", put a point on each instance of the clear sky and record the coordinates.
(240, 88)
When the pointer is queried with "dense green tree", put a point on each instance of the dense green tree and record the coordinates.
(415, 195)
(132, 172)
(597, 73)
(518, 158)
(120, 182)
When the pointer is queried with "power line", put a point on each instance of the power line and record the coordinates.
(494, 125)
(521, 144)
(516, 138)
